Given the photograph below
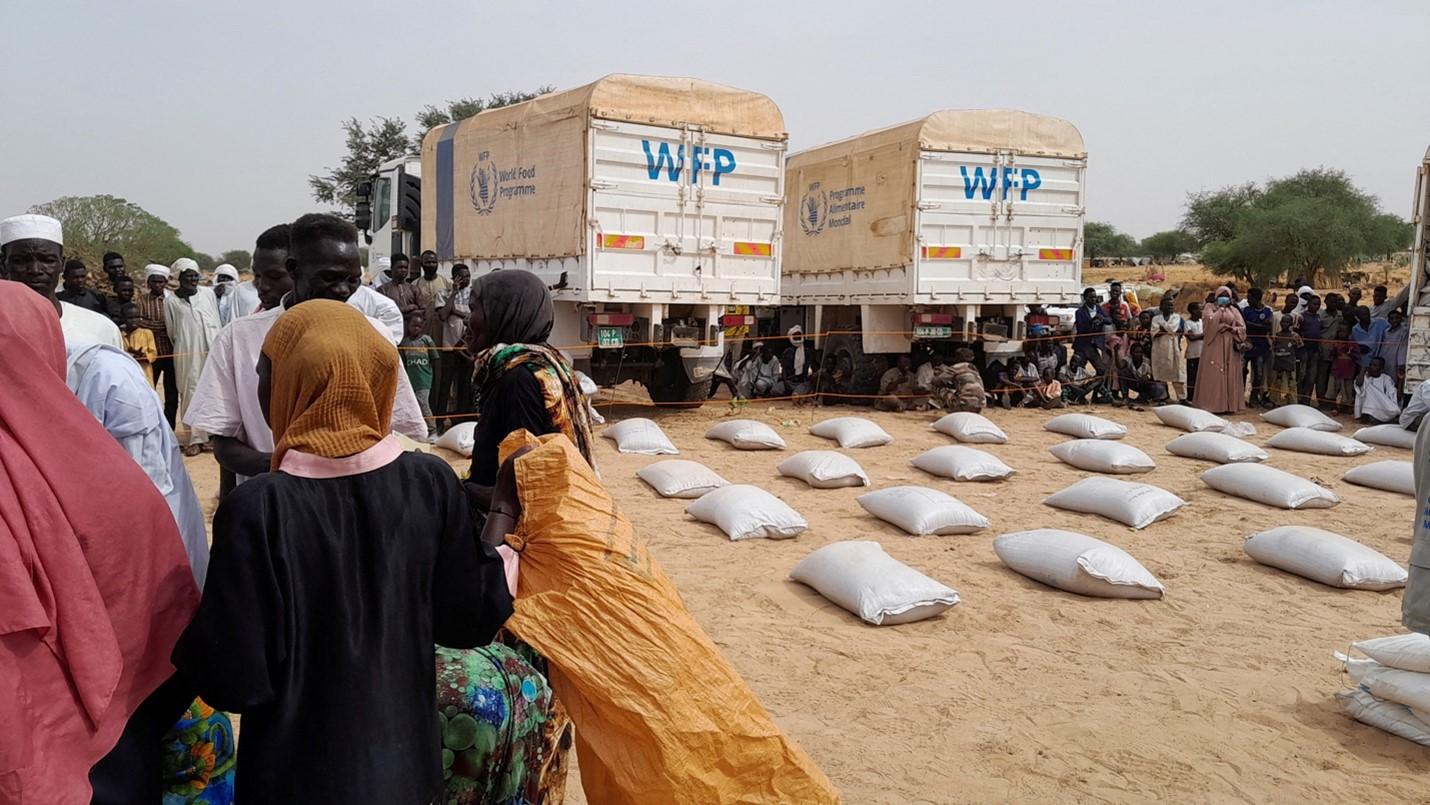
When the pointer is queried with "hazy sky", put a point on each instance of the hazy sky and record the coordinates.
(212, 115)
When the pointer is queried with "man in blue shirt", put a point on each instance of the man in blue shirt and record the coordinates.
(1258, 331)
(1367, 333)
(1088, 323)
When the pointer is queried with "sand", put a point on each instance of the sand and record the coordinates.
(1220, 692)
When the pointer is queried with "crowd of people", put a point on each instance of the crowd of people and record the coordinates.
(1221, 353)
(127, 641)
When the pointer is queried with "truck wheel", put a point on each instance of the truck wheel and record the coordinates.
(671, 387)
(862, 372)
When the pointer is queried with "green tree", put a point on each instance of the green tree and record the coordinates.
(1101, 239)
(1313, 221)
(380, 140)
(432, 116)
(1168, 245)
(238, 258)
(1389, 234)
(384, 139)
(94, 225)
(1212, 214)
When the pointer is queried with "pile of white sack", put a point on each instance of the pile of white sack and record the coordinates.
(1392, 685)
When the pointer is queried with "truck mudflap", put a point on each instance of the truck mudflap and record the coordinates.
(701, 362)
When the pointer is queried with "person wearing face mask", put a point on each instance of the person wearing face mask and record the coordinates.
(1220, 389)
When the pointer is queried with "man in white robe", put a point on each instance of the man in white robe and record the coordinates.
(1169, 352)
(1377, 399)
(236, 299)
(192, 319)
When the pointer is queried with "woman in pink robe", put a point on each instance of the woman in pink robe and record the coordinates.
(1219, 383)
(94, 583)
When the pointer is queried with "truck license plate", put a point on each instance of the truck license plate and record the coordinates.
(609, 338)
(928, 331)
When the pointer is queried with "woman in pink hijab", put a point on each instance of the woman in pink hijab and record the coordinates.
(94, 584)
(1219, 383)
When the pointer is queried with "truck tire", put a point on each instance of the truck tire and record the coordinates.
(862, 370)
(670, 387)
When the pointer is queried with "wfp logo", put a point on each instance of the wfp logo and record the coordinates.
(813, 210)
(483, 186)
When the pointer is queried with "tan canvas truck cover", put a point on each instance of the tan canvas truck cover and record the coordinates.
(513, 182)
(860, 194)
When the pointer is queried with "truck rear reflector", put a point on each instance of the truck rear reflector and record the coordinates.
(942, 252)
(622, 242)
(737, 320)
(933, 318)
(1055, 254)
(611, 319)
(752, 249)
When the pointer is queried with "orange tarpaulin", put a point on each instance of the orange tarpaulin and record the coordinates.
(661, 716)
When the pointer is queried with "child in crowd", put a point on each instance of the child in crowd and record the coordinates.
(419, 355)
(1048, 391)
(1026, 378)
(1194, 334)
(1340, 390)
(1377, 399)
(1078, 381)
(139, 340)
(1284, 347)
(1117, 340)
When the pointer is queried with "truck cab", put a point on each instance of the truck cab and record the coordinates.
(389, 211)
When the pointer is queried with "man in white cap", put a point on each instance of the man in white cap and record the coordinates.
(191, 315)
(235, 299)
(32, 252)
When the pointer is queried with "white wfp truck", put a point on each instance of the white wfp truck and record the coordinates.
(1417, 355)
(658, 200)
(943, 229)
(389, 210)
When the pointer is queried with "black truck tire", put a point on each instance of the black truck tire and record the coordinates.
(670, 387)
(861, 372)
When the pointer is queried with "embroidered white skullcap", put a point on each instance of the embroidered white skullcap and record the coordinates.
(184, 264)
(24, 227)
(156, 270)
(226, 270)
(384, 262)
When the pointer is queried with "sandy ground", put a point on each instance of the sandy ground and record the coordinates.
(1221, 692)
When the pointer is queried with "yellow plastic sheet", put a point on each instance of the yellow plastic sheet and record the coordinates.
(661, 716)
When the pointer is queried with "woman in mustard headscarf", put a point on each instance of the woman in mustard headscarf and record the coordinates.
(331, 578)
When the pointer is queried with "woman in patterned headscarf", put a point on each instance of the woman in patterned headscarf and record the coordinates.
(525, 383)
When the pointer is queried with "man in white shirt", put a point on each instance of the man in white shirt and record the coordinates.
(33, 255)
(319, 256)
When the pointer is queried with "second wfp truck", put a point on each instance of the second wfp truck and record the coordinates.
(649, 204)
(937, 231)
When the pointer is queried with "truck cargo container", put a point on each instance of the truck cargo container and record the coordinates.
(648, 203)
(1417, 354)
(939, 231)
